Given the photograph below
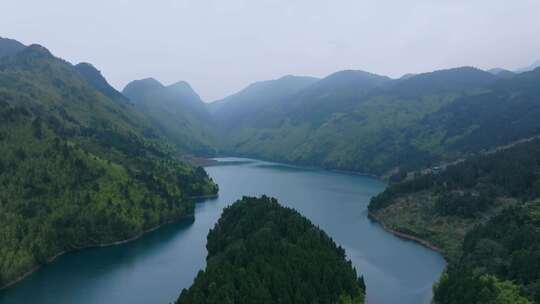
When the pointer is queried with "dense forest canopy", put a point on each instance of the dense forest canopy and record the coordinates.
(469, 186)
(492, 199)
(78, 168)
(500, 259)
(261, 252)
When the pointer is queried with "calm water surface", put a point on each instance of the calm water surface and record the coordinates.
(156, 267)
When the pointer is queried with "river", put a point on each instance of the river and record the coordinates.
(154, 268)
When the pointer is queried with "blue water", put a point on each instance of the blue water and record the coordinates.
(156, 267)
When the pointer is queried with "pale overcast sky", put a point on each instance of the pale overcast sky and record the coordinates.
(220, 46)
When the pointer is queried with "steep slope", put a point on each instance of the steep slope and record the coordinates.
(94, 77)
(10, 46)
(77, 168)
(358, 121)
(177, 111)
(261, 252)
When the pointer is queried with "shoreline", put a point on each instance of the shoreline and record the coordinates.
(406, 236)
(381, 178)
(115, 243)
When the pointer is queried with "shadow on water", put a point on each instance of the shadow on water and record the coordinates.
(109, 259)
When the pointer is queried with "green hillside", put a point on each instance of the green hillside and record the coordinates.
(500, 262)
(478, 213)
(358, 121)
(78, 169)
(177, 112)
(260, 252)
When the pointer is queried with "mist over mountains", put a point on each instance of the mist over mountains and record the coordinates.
(349, 120)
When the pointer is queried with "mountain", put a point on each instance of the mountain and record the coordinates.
(529, 68)
(177, 111)
(354, 120)
(93, 76)
(77, 168)
(261, 252)
(248, 105)
(502, 73)
(10, 46)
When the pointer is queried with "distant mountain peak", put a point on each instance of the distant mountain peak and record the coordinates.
(140, 87)
(184, 90)
(294, 77)
(96, 79)
(36, 51)
(150, 81)
(182, 85)
(10, 46)
(351, 76)
(87, 65)
(407, 76)
(529, 68)
(502, 73)
(459, 73)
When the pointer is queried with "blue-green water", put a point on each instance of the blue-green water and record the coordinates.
(156, 267)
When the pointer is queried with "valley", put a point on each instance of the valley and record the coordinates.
(455, 152)
(159, 265)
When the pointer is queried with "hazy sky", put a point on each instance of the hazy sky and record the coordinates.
(220, 46)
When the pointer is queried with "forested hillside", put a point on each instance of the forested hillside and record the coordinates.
(443, 207)
(78, 168)
(177, 112)
(478, 213)
(261, 252)
(359, 121)
(500, 261)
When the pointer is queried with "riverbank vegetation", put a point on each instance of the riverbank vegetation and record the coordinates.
(261, 252)
(500, 260)
(482, 213)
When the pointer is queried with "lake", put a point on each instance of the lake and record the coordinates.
(156, 267)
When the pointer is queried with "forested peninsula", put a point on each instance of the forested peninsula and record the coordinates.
(261, 252)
